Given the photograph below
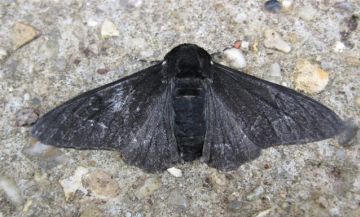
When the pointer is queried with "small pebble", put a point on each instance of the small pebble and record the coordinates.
(345, 138)
(307, 12)
(273, 6)
(255, 194)
(235, 58)
(309, 77)
(287, 5)
(175, 172)
(149, 187)
(134, 3)
(48, 156)
(340, 154)
(237, 44)
(61, 64)
(23, 34)
(255, 46)
(217, 179)
(339, 47)
(3, 54)
(101, 183)
(35, 101)
(11, 190)
(26, 117)
(27, 206)
(275, 70)
(79, 3)
(137, 43)
(352, 23)
(27, 97)
(102, 71)
(74, 183)
(357, 100)
(245, 45)
(178, 201)
(94, 48)
(108, 29)
(241, 17)
(92, 22)
(235, 206)
(352, 61)
(91, 212)
(348, 26)
(344, 5)
(263, 213)
(273, 40)
(275, 73)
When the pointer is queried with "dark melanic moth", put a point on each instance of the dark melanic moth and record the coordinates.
(187, 107)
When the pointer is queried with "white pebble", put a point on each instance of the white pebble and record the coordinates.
(73, 183)
(235, 58)
(175, 172)
(11, 190)
(37, 149)
(108, 29)
(287, 4)
(240, 17)
(135, 3)
(275, 70)
(26, 97)
(273, 40)
(307, 12)
(245, 45)
(339, 47)
(92, 23)
(3, 54)
(264, 213)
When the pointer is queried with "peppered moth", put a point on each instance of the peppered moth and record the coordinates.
(184, 108)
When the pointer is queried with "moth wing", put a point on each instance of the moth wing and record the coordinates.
(226, 145)
(131, 115)
(245, 114)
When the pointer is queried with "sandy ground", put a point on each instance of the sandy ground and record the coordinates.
(71, 54)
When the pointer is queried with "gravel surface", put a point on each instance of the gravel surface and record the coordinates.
(51, 50)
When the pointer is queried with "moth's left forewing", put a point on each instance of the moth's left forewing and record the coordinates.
(226, 145)
(274, 111)
(244, 114)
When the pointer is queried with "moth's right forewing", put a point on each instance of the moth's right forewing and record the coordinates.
(130, 115)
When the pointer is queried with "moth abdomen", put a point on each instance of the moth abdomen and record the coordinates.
(189, 121)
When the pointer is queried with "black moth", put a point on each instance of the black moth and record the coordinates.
(184, 108)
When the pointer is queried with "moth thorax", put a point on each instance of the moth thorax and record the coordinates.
(188, 67)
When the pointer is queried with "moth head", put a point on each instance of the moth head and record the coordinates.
(189, 60)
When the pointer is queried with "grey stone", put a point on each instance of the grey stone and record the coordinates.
(48, 156)
(149, 187)
(26, 117)
(256, 193)
(178, 201)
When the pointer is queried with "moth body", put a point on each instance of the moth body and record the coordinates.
(184, 108)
